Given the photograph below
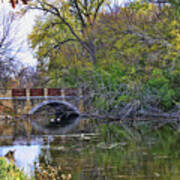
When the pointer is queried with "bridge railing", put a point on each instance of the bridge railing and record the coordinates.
(22, 93)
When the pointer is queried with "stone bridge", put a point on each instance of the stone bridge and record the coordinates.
(28, 101)
(54, 105)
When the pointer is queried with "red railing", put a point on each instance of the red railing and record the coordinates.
(18, 92)
(54, 92)
(37, 92)
(41, 92)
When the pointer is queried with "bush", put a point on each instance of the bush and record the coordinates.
(9, 171)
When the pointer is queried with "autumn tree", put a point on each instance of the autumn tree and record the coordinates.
(28, 77)
(10, 46)
(73, 19)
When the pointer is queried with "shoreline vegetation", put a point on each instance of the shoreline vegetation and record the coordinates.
(8, 170)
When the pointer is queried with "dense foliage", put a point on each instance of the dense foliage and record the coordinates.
(136, 50)
(10, 171)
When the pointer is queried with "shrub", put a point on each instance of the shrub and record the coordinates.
(9, 171)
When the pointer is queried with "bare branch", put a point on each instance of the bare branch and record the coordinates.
(80, 14)
(97, 10)
(63, 42)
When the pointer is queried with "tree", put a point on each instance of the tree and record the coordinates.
(74, 19)
(145, 40)
(28, 77)
(10, 46)
(137, 57)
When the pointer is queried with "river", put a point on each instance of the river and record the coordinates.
(89, 156)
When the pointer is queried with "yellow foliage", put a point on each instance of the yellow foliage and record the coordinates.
(173, 54)
(178, 42)
(174, 23)
(151, 7)
(174, 32)
(146, 11)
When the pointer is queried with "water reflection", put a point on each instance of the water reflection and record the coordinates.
(25, 156)
(54, 117)
(87, 160)
(47, 128)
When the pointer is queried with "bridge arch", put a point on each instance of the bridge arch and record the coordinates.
(65, 124)
(51, 102)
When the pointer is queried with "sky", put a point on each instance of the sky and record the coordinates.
(25, 27)
(27, 22)
(22, 26)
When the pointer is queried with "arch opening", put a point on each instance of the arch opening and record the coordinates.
(54, 116)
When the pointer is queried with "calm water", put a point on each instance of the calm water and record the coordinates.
(88, 158)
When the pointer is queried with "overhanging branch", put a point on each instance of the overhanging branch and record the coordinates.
(63, 42)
